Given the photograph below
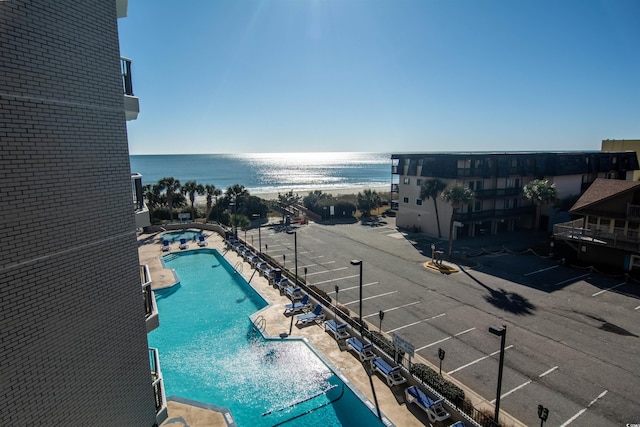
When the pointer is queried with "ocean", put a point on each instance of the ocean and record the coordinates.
(273, 173)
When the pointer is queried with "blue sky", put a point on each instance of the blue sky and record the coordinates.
(233, 76)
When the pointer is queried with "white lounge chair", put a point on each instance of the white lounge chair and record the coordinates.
(296, 307)
(390, 373)
(165, 246)
(294, 293)
(339, 331)
(315, 316)
(183, 244)
(364, 351)
(433, 408)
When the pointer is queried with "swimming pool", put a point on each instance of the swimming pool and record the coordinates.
(210, 352)
(175, 236)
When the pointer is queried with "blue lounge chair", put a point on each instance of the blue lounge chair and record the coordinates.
(165, 245)
(365, 351)
(201, 241)
(339, 330)
(294, 293)
(458, 424)
(390, 373)
(297, 307)
(183, 244)
(433, 408)
(315, 316)
(281, 284)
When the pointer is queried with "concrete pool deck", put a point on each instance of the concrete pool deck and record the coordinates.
(390, 400)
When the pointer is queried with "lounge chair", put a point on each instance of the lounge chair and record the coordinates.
(458, 424)
(294, 293)
(339, 330)
(433, 408)
(201, 241)
(315, 316)
(165, 246)
(391, 373)
(297, 307)
(365, 351)
(183, 244)
(281, 284)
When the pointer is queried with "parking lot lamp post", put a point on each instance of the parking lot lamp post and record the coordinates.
(359, 262)
(295, 251)
(502, 333)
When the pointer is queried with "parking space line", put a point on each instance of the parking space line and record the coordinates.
(353, 287)
(571, 280)
(415, 323)
(478, 360)
(583, 410)
(444, 339)
(326, 271)
(525, 384)
(547, 372)
(637, 307)
(541, 270)
(335, 280)
(392, 309)
(320, 263)
(608, 289)
(371, 297)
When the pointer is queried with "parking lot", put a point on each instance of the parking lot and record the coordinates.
(572, 334)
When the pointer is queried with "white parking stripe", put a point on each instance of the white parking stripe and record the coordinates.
(608, 289)
(571, 280)
(477, 360)
(415, 323)
(335, 280)
(326, 271)
(541, 270)
(321, 263)
(512, 390)
(353, 287)
(637, 307)
(444, 339)
(392, 308)
(547, 372)
(582, 411)
(371, 297)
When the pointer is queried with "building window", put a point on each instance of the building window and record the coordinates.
(418, 182)
(419, 202)
(478, 206)
(406, 181)
(405, 200)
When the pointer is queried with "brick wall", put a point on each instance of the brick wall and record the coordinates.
(73, 346)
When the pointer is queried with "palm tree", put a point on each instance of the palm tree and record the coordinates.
(211, 191)
(541, 192)
(233, 193)
(367, 201)
(458, 196)
(430, 189)
(191, 188)
(171, 186)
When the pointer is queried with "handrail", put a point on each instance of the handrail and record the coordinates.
(147, 293)
(157, 384)
(127, 81)
(331, 402)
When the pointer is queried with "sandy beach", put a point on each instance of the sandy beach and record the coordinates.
(201, 200)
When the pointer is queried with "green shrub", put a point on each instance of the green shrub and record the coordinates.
(322, 294)
(430, 377)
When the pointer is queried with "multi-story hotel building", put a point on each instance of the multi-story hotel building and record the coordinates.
(496, 180)
(73, 314)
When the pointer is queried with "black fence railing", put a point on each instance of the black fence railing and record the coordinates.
(127, 82)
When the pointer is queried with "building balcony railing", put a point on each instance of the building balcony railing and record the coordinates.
(484, 172)
(633, 211)
(493, 214)
(158, 386)
(395, 188)
(150, 308)
(496, 193)
(131, 102)
(574, 232)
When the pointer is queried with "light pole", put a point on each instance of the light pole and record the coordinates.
(359, 262)
(295, 251)
(337, 290)
(502, 333)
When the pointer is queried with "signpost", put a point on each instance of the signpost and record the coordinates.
(441, 357)
(403, 345)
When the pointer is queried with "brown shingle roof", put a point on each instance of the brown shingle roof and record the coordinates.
(602, 189)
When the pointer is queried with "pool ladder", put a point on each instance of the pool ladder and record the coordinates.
(169, 257)
(260, 324)
(238, 267)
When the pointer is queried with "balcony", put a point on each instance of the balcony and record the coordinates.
(574, 232)
(633, 212)
(150, 308)
(494, 214)
(496, 193)
(394, 188)
(158, 386)
(142, 212)
(131, 102)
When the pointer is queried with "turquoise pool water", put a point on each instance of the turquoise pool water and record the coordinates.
(175, 236)
(210, 352)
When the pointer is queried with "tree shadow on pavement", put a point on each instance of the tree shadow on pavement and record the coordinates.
(505, 300)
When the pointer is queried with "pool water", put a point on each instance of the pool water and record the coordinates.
(210, 352)
(175, 236)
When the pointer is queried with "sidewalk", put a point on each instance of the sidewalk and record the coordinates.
(391, 401)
